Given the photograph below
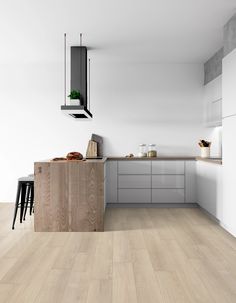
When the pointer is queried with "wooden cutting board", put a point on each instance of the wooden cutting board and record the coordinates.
(92, 149)
(99, 140)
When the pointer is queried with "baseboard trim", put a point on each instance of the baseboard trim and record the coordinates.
(152, 205)
(209, 215)
(228, 229)
(225, 227)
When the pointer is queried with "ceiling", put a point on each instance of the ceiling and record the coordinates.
(133, 30)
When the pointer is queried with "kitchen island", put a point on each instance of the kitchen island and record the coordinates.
(72, 195)
(69, 195)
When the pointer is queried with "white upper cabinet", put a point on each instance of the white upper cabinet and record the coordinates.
(229, 84)
(213, 103)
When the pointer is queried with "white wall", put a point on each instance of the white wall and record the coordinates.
(132, 101)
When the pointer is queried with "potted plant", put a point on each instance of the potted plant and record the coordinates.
(75, 97)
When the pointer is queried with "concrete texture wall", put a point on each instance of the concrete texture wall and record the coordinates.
(230, 35)
(213, 67)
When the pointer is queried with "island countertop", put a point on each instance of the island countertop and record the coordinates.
(102, 160)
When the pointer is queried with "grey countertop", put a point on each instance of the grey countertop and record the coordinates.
(153, 159)
(185, 158)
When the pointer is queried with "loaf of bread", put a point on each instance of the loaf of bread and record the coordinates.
(74, 156)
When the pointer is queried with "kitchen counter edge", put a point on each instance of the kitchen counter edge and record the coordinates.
(184, 158)
(210, 160)
(159, 158)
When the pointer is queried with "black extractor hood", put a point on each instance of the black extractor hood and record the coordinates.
(78, 81)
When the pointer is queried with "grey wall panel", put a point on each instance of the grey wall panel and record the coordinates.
(230, 35)
(213, 67)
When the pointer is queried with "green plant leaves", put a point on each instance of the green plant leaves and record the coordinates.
(74, 94)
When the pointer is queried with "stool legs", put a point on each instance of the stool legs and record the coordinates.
(16, 203)
(24, 199)
(28, 195)
(29, 199)
(32, 199)
(22, 203)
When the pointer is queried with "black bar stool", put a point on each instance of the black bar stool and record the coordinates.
(24, 197)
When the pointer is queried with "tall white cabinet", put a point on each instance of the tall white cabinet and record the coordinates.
(229, 142)
(229, 85)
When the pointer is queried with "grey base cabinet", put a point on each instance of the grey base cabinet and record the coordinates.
(171, 195)
(111, 182)
(146, 181)
(136, 195)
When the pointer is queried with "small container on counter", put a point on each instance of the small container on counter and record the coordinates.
(142, 150)
(205, 152)
(152, 151)
(205, 148)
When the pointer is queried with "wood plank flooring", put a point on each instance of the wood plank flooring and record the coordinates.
(144, 255)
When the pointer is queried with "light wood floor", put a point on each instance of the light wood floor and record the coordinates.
(145, 255)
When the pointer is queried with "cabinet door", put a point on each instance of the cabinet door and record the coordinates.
(216, 112)
(190, 182)
(134, 195)
(206, 187)
(167, 195)
(168, 181)
(111, 182)
(213, 103)
(134, 181)
(229, 179)
(168, 167)
(228, 84)
(134, 167)
(209, 188)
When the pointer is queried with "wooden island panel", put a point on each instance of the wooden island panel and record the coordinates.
(69, 196)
